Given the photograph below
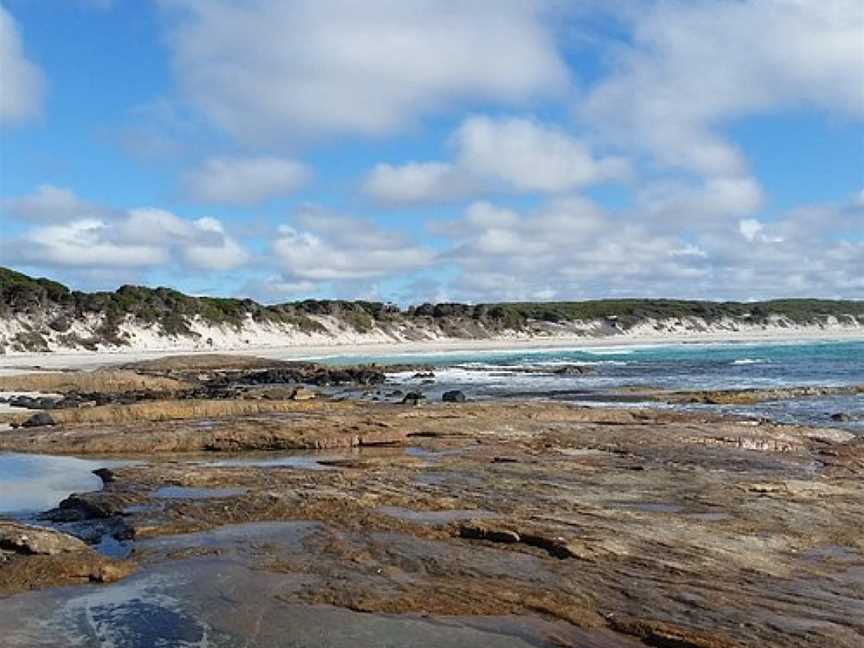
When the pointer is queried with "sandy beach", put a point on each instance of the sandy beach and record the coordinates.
(16, 362)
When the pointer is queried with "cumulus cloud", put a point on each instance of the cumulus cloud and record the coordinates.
(23, 82)
(245, 181)
(572, 248)
(509, 154)
(62, 230)
(417, 182)
(675, 204)
(49, 203)
(692, 66)
(323, 247)
(294, 68)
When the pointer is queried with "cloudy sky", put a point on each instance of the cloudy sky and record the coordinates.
(414, 150)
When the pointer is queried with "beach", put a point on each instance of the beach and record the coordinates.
(78, 359)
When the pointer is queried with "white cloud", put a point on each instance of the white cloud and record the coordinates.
(750, 228)
(280, 69)
(571, 249)
(529, 156)
(416, 182)
(692, 66)
(23, 83)
(507, 154)
(245, 181)
(81, 235)
(216, 252)
(83, 243)
(677, 205)
(49, 203)
(323, 247)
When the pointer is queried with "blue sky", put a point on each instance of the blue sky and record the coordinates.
(420, 150)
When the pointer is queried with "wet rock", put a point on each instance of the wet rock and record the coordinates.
(76, 509)
(454, 396)
(571, 370)
(554, 546)
(29, 540)
(841, 417)
(490, 534)
(424, 374)
(41, 419)
(303, 393)
(33, 558)
(105, 475)
(413, 398)
(310, 374)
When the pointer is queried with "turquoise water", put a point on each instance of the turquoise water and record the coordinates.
(674, 366)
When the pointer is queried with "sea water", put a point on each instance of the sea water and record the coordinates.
(683, 366)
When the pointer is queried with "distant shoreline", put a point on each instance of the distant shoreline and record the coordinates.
(14, 362)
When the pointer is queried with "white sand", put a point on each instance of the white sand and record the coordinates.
(23, 362)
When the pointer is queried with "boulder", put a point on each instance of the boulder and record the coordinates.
(39, 420)
(840, 417)
(413, 398)
(454, 396)
(301, 393)
(105, 475)
(571, 370)
(30, 540)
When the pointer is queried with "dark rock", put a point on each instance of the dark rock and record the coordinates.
(310, 374)
(480, 532)
(424, 374)
(76, 509)
(39, 420)
(413, 398)
(571, 370)
(105, 475)
(841, 417)
(454, 396)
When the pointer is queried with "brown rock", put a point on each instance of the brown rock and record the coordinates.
(303, 393)
(29, 540)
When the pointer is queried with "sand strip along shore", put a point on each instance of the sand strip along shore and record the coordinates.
(17, 362)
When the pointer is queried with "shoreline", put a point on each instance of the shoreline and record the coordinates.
(14, 362)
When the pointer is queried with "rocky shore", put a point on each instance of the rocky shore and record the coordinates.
(555, 525)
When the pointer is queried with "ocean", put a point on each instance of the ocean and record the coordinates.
(682, 366)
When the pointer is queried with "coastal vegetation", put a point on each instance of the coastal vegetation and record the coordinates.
(45, 309)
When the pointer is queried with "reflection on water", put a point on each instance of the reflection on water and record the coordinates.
(218, 603)
(34, 483)
(434, 517)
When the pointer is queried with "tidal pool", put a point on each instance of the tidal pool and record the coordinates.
(34, 483)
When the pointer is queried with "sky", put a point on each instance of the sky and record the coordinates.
(436, 150)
